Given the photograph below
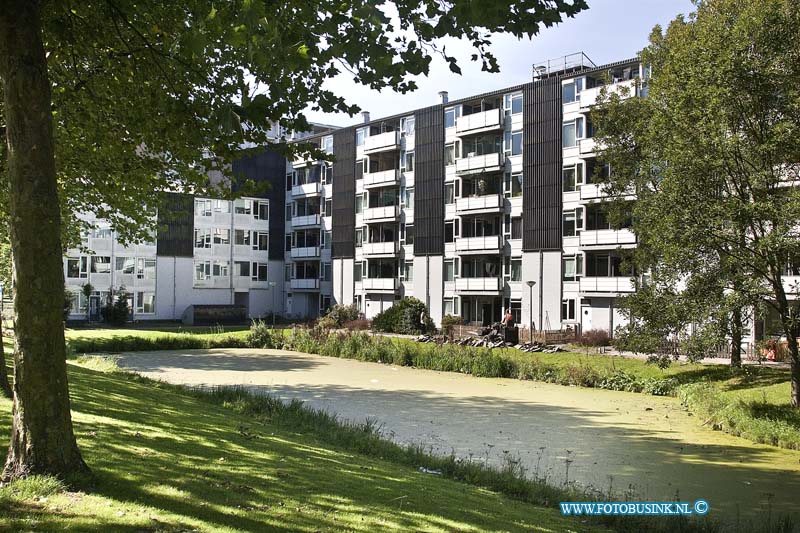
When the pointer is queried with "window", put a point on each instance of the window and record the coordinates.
(408, 162)
(359, 237)
(241, 269)
(358, 271)
(243, 207)
(327, 174)
(288, 243)
(241, 237)
(572, 222)
(449, 270)
(450, 116)
(202, 238)
(101, 233)
(568, 309)
(145, 302)
(408, 198)
(77, 267)
(361, 134)
(260, 240)
(327, 144)
(572, 267)
(450, 154)
(571, 177)
(408, 270)
(261, 209)
(359, 203)
(449, 307)
(407, 125)
(571, 91)
(514, 184)
(202, 208)
(289, 181)
(202, 270)
(327, 239)
(221, 206)
(287, 273)
(516, 228)
(125, 265)
(514, 142)
(449, 235)
(79, 303)
(219, 269)
(326, 272)
(449, 193)
(328, 206)
(513, 103)
(101, 264)
(409, 234)
(145, 268)
(222, 236)
(516, 270)
(571, 131)
(259, 272)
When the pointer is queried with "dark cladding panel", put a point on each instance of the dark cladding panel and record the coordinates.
(429, 181)
(542, 161)
(270, 168)
(344, 194)
(175, 237)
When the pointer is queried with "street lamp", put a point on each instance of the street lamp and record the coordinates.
(272, 285)
(530, 307)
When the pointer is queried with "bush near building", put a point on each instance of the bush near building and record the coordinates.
(408, 316)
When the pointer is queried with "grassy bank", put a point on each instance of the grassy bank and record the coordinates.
(752, 403)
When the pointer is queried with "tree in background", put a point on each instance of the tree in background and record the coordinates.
(712, 156)
(107, 101)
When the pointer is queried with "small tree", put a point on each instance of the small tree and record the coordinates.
(87, 291)
(117, 311)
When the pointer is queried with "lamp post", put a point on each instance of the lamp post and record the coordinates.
(530, 310)
(272, 285)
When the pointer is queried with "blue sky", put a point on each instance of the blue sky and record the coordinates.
(608, 31)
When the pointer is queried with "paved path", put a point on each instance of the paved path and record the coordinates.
(598, 438)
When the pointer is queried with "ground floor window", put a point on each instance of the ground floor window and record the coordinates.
(145, 302)
(568, 309)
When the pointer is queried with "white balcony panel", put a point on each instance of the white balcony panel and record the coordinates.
(219, 282)
(489, 202)
(381, 179)
(389, 212)
(307, 189)
(588, 97)
(607, 237)
(611, 285)
(379, 284)
(382, 142)
(479, 163)
(306, 220)
(587, 146)
(489, 244)
(478, 284)
(305, 284)
(478, 122)
(305, 252)
(380, 248)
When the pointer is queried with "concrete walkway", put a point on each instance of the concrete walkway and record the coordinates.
(631, 442)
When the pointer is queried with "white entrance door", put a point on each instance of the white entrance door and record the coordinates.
(586, 318)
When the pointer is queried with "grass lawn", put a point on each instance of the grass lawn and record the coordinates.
(165, 460)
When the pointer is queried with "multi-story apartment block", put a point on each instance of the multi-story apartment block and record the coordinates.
(473, 206)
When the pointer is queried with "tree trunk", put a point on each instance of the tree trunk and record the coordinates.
(42, 440)
(5, 386)
(794, 360)
(736, 338)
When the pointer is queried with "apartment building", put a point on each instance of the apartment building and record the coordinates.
(472, 206)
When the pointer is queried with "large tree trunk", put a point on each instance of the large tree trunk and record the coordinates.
(736, 338)
(42, 441)
(794, 359)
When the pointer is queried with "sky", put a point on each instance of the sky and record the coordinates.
(610, 30)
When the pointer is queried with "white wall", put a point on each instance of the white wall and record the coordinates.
(548, 285)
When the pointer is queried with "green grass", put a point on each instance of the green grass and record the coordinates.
(165, 459)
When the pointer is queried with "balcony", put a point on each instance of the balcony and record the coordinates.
(480, 163)
(479, 204)
(381, 179)
(478, 285)
(607, 237)
(380, 248)
(380, 214)
(588, 97)
(383, 142)
(479, 122)
(305, 252)
(610, 285)
(305, 284)
(586, 146)
(379, 284)
(490, 244)
(307, 189)
(305, 221)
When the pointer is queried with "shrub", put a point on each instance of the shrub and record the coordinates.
(327, 322)
(357, 325)
(409, 316)
(595, 338)
(118, 312)
(448, 322)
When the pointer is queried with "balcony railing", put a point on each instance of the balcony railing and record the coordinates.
(382, 142)
(586, 146)
(479, 122)
(305, 284)
(379, 284)
(380, 248)
(478, 244)
(478, 284)
(489, 202)
(305, 252)
(307, 189)
(607, 237)
(388, 212)
(479, 163)
(382, 178)
(305, 220)
(607, 284)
